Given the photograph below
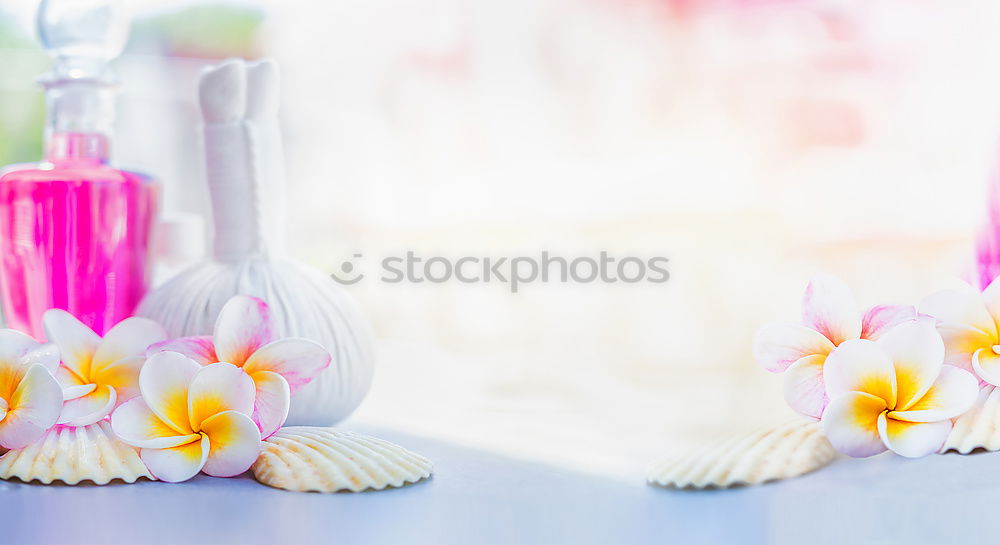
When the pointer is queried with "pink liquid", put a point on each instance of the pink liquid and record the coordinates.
(75, 235)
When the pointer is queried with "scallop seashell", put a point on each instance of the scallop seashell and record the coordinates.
(770, 454)
(311, 459)
(979, 427)
(72, 455)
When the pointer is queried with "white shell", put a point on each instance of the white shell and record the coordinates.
(71, 455)
(308, 459)
(770, 454)
(979, 427)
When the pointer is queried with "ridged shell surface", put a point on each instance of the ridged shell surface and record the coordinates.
(770, 454)
(979, 427)
(72, 455)
(311, 459)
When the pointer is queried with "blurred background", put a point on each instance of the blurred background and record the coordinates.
(752, 142)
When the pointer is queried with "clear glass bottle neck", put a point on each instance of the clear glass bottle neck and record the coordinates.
(80, 118)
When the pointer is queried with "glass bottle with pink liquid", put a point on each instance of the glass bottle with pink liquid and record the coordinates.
(74, 230)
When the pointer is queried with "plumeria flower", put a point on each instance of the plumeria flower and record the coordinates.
(98, 374)
(830, 316)
(967, 321)
(246, 336)
(895, 393)
(30, 397)
(190, 418)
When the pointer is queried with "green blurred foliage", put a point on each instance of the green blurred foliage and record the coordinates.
(208, 31)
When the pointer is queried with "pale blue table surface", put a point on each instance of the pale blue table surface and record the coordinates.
(481, 498)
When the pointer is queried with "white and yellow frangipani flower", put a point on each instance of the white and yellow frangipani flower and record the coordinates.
(830, 316)
(98, 374)
(967, 320)
(895, 393)
(246, 336)
(190, 418)
(30, 397)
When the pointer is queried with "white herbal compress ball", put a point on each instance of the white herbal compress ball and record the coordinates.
(243, 158)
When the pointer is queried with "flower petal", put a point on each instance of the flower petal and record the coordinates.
(804, 388)
(913, 439)
(954, 392)
(961, 342)
(299, 361)
(959, 307)
(46, 355)
(244, 325)
(176, 464)
(850, 422)
(122, 375)
(860, 366)
(90, 408)
(14, 345)
(881, 318)
(986, 364)
(991, 298)
(164, 382)
(78, 390)
(917, 353)
(200, 349)
(217, 388)
(11, 373)
(32, 410)
(127, 339)
(235, 443)
(270, 409)
(829, 307)
(776, 346)
(77, 342)
(134, 423)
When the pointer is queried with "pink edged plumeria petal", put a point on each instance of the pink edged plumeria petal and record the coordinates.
(986, 364)
(134, 423)
(953, 393)
(271, 403)
(805, 391)
(127, 339)
(234, 442)
(880, 319)
(829, 307)
(965, 307)
(860, 366)
(32, 409)
(90, 408)
(299, 361)
(217, 388)
(177, 464)
(164, 382)
(200, 349)
(913, 439)
(77, 342)
(778, 345)
(244, 325)
(917, 353)
(850, 423)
